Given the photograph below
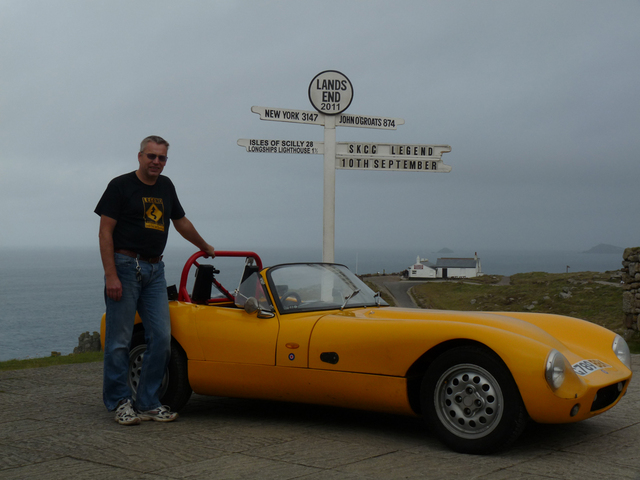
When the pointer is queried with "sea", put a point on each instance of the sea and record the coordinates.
(48, 298)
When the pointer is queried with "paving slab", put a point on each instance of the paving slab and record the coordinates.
(55, 426)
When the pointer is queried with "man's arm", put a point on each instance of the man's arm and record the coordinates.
(188, 231)
(113, 285)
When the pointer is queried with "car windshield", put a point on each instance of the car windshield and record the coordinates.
(318, 286)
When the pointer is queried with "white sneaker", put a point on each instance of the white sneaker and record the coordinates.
(160, 414)
(126, 415)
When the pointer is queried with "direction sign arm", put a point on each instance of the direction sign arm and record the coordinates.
(289, 115)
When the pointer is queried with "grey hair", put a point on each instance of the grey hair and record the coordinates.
(154, 139)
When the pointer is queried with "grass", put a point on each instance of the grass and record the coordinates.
(50, 361)
(591, 296)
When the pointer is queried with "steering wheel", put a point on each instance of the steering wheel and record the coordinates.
(290, 299)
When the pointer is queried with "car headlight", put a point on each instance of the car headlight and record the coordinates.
(621, 349)
(554, 369)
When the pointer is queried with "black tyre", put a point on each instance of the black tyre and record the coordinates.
(175, 390)
(470, 400)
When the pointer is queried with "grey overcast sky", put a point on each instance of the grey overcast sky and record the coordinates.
(540, 102)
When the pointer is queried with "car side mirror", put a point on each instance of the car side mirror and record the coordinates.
(251, 305)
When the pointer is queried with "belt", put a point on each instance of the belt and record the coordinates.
(131, 254)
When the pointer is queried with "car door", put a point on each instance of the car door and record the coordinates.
(231, 335)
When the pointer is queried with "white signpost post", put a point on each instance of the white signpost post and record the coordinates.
(331, 93)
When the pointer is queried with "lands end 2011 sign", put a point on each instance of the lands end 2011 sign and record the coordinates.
(330, 92)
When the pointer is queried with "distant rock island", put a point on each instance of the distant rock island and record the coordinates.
(445, 250)
(604, 248)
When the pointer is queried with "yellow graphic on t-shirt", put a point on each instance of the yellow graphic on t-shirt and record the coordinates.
(153, 213)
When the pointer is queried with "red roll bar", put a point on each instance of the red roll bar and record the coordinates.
(183, 295)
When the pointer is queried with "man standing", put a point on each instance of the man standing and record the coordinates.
(134, 211)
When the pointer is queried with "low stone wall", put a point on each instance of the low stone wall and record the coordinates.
(631, 295)
(88, 342)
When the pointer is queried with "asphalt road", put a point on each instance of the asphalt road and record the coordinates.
(398, 288)
(54, 426)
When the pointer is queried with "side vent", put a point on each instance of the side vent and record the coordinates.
(329, 357)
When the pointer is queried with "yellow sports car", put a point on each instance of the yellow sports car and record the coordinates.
(315, 333)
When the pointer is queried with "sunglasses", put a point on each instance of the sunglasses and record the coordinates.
(153, 156)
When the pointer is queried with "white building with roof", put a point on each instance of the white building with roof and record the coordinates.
(445, 268)
(422, 269)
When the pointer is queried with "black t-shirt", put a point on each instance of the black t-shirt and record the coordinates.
(142, 212)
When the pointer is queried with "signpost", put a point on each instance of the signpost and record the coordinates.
(331, 93)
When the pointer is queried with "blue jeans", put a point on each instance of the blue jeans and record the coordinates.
(147, 296)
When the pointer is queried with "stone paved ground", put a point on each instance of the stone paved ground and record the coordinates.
(53, 426)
